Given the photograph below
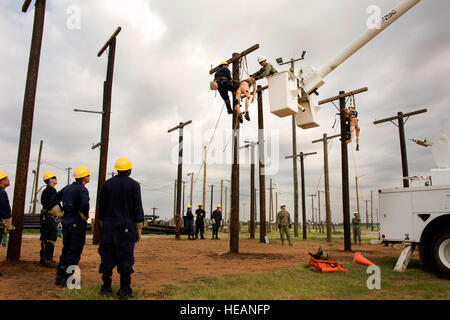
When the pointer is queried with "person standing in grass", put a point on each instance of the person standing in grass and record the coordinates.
(356, 221)
(284, 223)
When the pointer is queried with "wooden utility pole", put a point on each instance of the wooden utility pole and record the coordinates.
(251, 145)
(401, 128)
(226, 207)
(26, 129)
(292, 62)
(180, 128)
(318, 210)
(192, 187)
(68, 175)
(182, 203)
(32, 198)
(302, 156)
(262, 174)
(174, 202)
(312, 207)
(270, 205)
(367, 214)
(234, 213)
(324, 141)
(344, 162)
(106, 119)
(212, 197)
(204, 177)
(35, 192)
(371, 209)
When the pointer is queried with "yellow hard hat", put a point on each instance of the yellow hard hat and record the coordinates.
(81, 172)
(218, 206)
(223, 63)
(189, 206)
(49, 175)
(123, 164)
(200, 204)
(2, 175)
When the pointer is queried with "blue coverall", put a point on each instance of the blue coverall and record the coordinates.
(75, 200)
(120, 208)
(49, 233)
(200, 223)
(224, 80)
(217, 216)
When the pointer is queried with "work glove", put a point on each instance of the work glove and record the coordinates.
(7, 222)
(56, 211)
(139, 226)
(82, 216)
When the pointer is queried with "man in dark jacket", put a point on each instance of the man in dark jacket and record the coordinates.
(121, 216)
(225, 82)
(49, 224)
(199, 221)
(5, 207)
(75, 203)
(216, 218)
(190, 222)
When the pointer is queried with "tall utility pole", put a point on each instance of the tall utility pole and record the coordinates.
(270, 205)
(175, 203)
(26, 129)
(371, 209)
(324, 141)
(180, 128)
(234, 225)
(68, 175)
(106, 119)
(204, 177)
(302, 156)
(182, 203)
(401, 129)
(312, 206)
(262, 174)
(294, 145)
(367, 214)
(221, 193)
(34, 183)
(344, 162)
(212, 197)
(192, 187)
(35, 192)
(226, 206)
(251, 145)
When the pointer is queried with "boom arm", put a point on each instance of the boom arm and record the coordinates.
(314, 78)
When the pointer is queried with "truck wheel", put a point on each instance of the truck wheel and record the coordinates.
(441, 253)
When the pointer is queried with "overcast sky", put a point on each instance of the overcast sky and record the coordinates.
(164, 53)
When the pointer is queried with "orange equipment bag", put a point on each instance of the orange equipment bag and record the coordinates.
(325, 265)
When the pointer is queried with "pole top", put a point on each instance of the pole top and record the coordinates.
(114, 35)
(180, 126)
(25, 5)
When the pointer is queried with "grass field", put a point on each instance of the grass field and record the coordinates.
(300, 283)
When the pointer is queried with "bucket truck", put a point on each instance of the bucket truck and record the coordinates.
(287, 99)
(421, 215)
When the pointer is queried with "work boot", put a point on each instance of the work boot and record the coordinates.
(282, 242)
(241, 120)
(290, 243)
(229, 110)
(247, 115)
(49, 264)
(106, 289)
(357, 147)
(125, 291)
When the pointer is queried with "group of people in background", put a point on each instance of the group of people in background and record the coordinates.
(120, 215)
(199, 217)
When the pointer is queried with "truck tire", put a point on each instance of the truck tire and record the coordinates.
(441, 253)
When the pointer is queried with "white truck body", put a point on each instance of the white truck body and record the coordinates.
(404, 213)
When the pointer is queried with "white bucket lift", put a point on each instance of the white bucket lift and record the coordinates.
(283, 94)
(309, 118)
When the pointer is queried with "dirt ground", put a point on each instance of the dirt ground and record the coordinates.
(160, 261)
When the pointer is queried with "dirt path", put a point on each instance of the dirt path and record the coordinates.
(162, 261)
